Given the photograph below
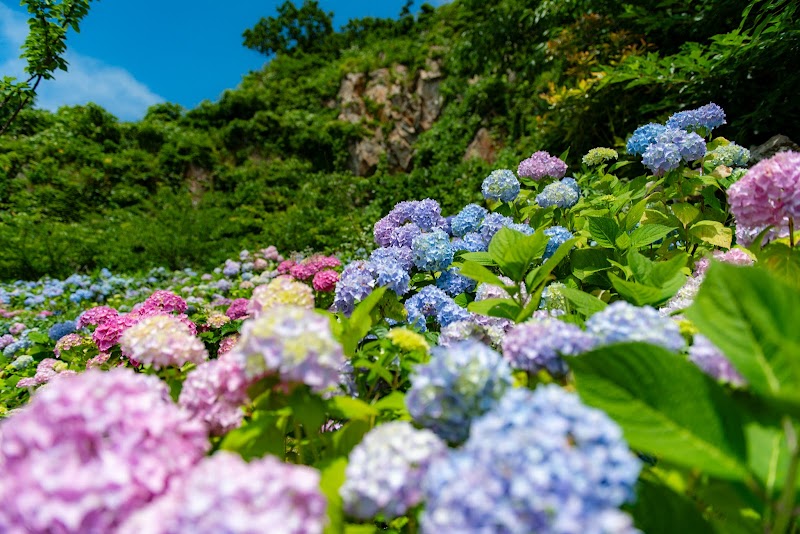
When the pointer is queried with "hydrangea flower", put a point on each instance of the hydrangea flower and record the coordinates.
(223, 493)
(705, 117)
(661, 158)
(163, 301)
(59, 330)
(562, 194)
(432, 251)
(536, 462)
(487, 330)
(293, 343)
(109, 332)
(390, 273)
(45, 371)
(162, 341)
(769, 194)
(643, 137)
(500, 185)
(6, 340)
(540, 165)
(690, 145)
(683, 298)
(734, 256)
(90, 449)
(237, 309)
(730, 155)
(459, 383)
(713, 362)
(231, 268)
(540, 344)
(425, 215)
(467, 220)
(68, 342)
(599, 155)
(407, 339)
(432, 301)
(452, 282)
(325, 281)
(214, 393)
(384, 470)
(355, 283)
(281, 291)
(621, 321)
(402, 256)
(558, 236)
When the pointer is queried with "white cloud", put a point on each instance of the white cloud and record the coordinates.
(87, 80)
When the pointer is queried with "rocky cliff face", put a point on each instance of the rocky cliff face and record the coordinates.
(395, 106)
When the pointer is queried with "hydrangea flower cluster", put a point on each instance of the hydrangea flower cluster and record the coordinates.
(425, 215)
(432, 251)
(95, 316)
(294, 343)
(734, 256)
(671, 148)
(558, 236)
(384, 470)
(540, 165)
(599, 155)
(537, 462)
(452, 282)
(540, 344)
(467, 220)
(68, 342)
(705, 117)
(231, 268)
(432, 301)
(487, 330)
(356, 282)
(223, 493)
(162, 341)
(621, 321)
(59, 330)
(6, 340)
(309, 267)
(90, 449)
(730, 155)
(386, 267)
(459, 383)
(407, 339)
(563, 194)
(45, 371)
(710, 359)
(281, 291)
(643, 137)
(237, 309)
(163, 301)
(683, 298)
(769, 194)
(325, 281)
(500, 185)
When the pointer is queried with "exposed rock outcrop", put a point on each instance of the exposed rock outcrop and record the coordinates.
(482, 147)
(775, 144)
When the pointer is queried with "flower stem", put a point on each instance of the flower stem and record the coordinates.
(785, 504)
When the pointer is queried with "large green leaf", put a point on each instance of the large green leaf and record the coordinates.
(264, 434)
(479, 273)
(659, 510)
(332, 476)
(604, 230)
(356, 327)
(648, 234)
(583, 302)
(514, 251)
(505, 308)
(635, 293)
(753, 318)
(666, 407)
(712, 232)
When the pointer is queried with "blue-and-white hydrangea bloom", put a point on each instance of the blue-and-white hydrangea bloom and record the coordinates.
(459, 383)
(501, 184)
(452, 282)
(621, 321)
(384, 470)
(432, 251)
(661, 158)
(563, 194)
(558, 236)
(537, 462)
(690, 145)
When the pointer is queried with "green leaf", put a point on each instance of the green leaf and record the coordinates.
(647, 234)
(634, 215)
(38, 337)
(686, 213)
(514, 251)
(539, 276)
(783, 261)
(264, 434)
(480, 274)
(583, 302)
(666, 407)
(393, 402)
(636, 293)
(591, 259)
(483, 258)
(604, 230)
(712, 232)
(331, 479)
(352, 408)
(350, 435)
(659, 510)
(359, 323)
(752, 317)
(505, 308)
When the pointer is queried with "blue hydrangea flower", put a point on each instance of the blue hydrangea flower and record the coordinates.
(459, 383)
(433, 302)
(454, 283)
(537, 462)
(501, 185)
(59, 330)
(384, 470)
(468, 220)
(388, 272)
(16, 347)
(401, 255)
(522, 228)
(705, 117)
(432, 251)
(471, 242)
(563, 195)
(424, 214)
(558, 236)
(404, 235)
(690, 145)
(661, 158)
(539, 345)
(621, 321)
(80, 295)
(643, 137)
(355, 283)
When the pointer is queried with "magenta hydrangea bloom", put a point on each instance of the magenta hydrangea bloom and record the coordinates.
(294, 343)
(214, 393)
(308, 268)
(166, 302)
(95, 316)
(237, 309)
(769, 194)
(325, 281)
(540, 165)
(45, 371)
(281, 291)
(108, 333)
(163, 341)
(223, 493)
(90, 449)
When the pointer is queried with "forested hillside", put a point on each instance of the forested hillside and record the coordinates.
(341, 124)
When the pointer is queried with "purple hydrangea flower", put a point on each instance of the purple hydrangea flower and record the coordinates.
(536, 462)
(769, 194)
(432, 251)
(539, 345)
(643, 137)
(468, 220)
(690, 145)
(454, 283)
(402, 256)
(540, 165)
(621, 321)
(500, 185)
(713, 362)
(384, 470)
(661, 158)
(355, 283)
(424, 214)
(705, 117)
(459, 383)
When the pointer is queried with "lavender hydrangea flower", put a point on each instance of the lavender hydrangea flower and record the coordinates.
(402, 256)
(452, 282)
(467, 220)
(384, 470)
(537, 462)
(389, 272)
(459, 383)
(540, 165)
(355, 283)
(621, 321)
(705, 117)
(540, 344)
(223, 493)
(558, 236)
(424, 214)
(730, 155)
(294, 343)
(432, 251)
(690, 145)
(683, 298)
(661, 158)
(487, 330)
(713, 362)
(560, 194)
(768, 193)
(500, 185)
(643, 137)
(432, 301)
(163, 341)
(90, 449)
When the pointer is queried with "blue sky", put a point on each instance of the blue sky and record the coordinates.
(132, 54)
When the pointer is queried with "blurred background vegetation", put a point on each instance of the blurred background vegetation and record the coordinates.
(341, 124)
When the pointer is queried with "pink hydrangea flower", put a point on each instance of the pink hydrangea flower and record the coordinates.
(45, 371)
(214, 393)
(108, 333)
(96, 316)
(271, 253)
(68, 342)
(260, 264)
(98, 361)
(90, 449)
(285, 267)
(163, 341)
(769, 194)
(237, 309)
(227, 344)
(735, 256)
(6, 340)
(325, 281)
(16, 328)
(223, 493)
(165, 301)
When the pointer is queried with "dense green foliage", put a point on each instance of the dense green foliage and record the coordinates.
(270, 163)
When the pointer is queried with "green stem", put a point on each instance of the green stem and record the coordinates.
(785, 505)
(791, 232)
